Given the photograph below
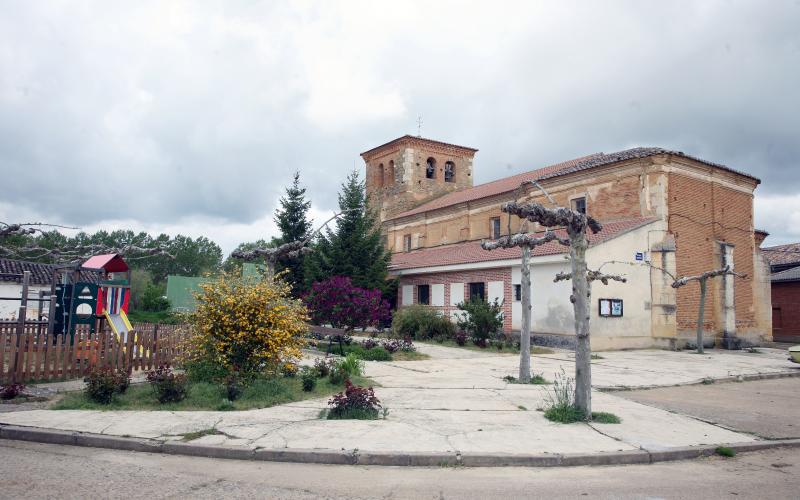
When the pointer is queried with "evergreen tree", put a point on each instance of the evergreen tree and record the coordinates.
(292, 220)
(355, 248)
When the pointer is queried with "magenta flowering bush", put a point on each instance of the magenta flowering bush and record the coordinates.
(337, 302)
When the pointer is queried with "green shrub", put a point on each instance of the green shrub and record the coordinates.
(204, 370)
(351, 365)
(308, 376)
(153, 298)
(103, 383)
(421, 322)
(482, 319)
(375, 354)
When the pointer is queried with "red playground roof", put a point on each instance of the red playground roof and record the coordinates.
(110, 263)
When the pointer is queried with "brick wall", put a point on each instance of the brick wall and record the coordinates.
(786, 312)
(702, 214)
(610, 196)
(477, 276)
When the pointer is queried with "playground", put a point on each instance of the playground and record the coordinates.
(81, 323)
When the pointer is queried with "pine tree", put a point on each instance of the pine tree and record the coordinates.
(292, 220)
(355, 248)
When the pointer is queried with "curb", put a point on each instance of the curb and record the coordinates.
(720, 380)
(356, 457)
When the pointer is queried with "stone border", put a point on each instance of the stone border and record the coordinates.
(356, 457)
(719, 380)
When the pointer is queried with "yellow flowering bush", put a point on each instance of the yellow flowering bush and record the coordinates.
(246, 325)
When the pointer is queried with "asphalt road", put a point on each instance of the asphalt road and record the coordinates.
(32, 470)
(766, 408)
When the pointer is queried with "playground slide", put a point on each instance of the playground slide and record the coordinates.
(119, 324)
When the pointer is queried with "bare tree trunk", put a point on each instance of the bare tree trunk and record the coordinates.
(581, 294)
(525, 330)
(701, 316)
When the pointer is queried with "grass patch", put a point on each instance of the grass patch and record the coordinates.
(597, 356)
(564, 414)
(724, 451)
(708, 381)
(262, 393)
(602, 417)
(191, 436)
(536, 379)
(522, 408)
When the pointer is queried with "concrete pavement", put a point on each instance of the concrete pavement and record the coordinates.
(32, 470)
(457, 403)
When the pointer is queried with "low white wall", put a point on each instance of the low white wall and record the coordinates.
(552, 310)
(9, 309)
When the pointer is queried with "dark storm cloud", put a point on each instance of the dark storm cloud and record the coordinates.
(165, 112)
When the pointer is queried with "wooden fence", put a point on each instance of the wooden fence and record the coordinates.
(37, 356)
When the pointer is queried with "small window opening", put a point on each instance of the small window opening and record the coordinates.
(424, 294)
(407, 243)
(477, 291)
(495, 228)
(449, 172)
(579, 205)
(430, 169)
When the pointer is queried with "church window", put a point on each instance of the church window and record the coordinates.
(381, 175)
(449, 172)
(407, 243)
(430, 169)
(495, 228)
(579, 205)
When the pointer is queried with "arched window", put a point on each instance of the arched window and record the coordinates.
(430, 169)
(381, 175)
(389, 179)
(449, 172)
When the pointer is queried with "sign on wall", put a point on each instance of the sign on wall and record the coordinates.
(610, 308)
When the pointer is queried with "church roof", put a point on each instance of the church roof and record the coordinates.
(509, 184)
(471, 251)
(782, 254)
(410, 138)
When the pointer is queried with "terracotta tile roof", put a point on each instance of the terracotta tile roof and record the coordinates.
(509, 184)
(781, 255)
(408, 137)
(41, 274)
(505, 185)
(471, 251)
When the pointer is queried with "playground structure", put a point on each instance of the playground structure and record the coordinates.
(77, 300)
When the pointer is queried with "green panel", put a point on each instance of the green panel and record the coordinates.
(250, 270)
(180, 290)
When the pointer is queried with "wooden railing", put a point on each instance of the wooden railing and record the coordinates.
(36, 356)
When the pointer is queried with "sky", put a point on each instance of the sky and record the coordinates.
(191, 117)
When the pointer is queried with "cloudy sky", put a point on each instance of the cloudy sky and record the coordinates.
(190, 117)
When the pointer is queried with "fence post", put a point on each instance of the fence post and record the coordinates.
(23, 309)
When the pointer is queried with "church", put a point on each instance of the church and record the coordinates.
(665, 215)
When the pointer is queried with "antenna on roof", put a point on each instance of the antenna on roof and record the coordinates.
(419, 125)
